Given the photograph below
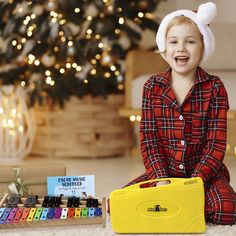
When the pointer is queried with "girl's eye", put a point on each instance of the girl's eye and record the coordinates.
(173, 42)
(191, 41)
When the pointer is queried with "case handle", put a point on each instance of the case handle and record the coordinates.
(172, 181)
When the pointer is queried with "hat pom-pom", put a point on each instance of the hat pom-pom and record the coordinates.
(206, 12)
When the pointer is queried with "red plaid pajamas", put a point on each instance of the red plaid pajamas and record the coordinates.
(189, 140)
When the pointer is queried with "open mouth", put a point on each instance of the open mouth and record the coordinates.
(181, 59)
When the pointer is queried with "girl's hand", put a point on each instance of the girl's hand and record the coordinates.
(162, 182)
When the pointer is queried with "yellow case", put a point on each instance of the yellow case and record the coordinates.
(177, 207)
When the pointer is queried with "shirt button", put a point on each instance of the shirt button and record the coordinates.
(181, 117)
(182, 142)
(181, 166)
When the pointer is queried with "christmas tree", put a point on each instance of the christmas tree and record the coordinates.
(70, 47)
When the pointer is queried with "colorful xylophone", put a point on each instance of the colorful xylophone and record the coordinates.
(18, 212)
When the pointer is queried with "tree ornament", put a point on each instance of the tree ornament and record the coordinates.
(48, 59)
(21, 9)
(106, 59)
(71, 51)
(125, 42)
(38, 10)
(51, 5)
(91, 10)
(17, 126)
(143, 4)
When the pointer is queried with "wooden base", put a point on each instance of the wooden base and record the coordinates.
(85, 128)
(57, 222)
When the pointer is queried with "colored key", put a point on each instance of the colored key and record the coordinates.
(64, 213)
(84, 212)
(91, 212)
(25, 213)
(1, 211)
(44, 214)
(77, 212)
(71, 212)
(18, 215)
(5, 215)
(38, 213)
(58, 213)
(31, 214)
(11, 215)
(51, 213)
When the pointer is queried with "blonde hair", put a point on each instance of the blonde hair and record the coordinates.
(178, 20)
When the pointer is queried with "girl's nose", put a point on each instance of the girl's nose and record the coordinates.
(181, 47)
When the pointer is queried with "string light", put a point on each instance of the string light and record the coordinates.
(19, 46)
(89, 31)
(63, 39)
(107, 75)
(117, 31)
(54, 20)
(13, 111)
(97, 36)
(132, 118)
(48, 80)
(56, 49)
(33, 16)
(120, 86)
(119, 9)
(47, 73)
(31, 57)
(14, 42)
(89, 18)
(68, 65)
(77, 10)
(94, 61)
(140, 14)
(21, 128)
(22, 83)
(62, 22)
(88, 36)
(100, 45)
(78, 68)
(57, 66)
(85, 81)
(37, 62)
(121, 21)
(70, 43)
(113, 68)
(74, 65)
(93, 72)
(23, 40)
(98, 56)
(62, 70)
(117, 73)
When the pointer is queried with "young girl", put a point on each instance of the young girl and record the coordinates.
(184, 113)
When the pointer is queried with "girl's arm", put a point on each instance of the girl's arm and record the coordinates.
(214, 150)
(151, 153)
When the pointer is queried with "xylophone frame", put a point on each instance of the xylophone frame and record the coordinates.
(57, 222)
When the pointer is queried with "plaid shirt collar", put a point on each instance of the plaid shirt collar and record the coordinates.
(164, 78)
(168, 95)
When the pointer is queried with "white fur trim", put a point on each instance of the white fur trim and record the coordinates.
(206, 13)
(208, 37)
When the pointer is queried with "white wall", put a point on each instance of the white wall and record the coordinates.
(223, 60)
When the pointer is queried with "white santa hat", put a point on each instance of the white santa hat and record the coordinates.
(204, 15)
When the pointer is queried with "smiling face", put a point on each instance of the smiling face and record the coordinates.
(184, 48)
